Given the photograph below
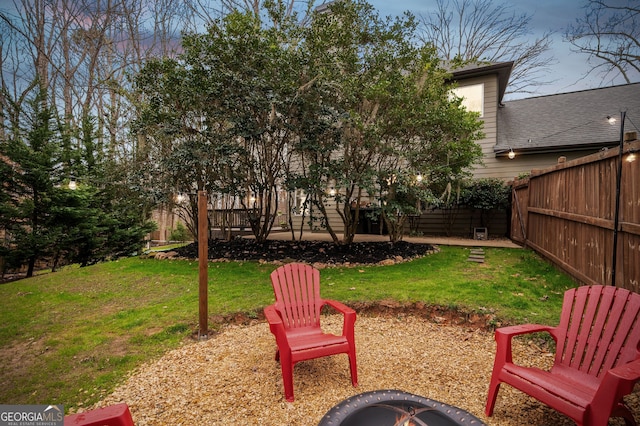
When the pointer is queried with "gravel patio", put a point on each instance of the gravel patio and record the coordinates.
(232, 378)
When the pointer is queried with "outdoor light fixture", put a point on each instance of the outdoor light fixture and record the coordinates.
(391, 180)
(332, 191)
(511, 154)
(72, 184)
(611, 120)
(419, 177)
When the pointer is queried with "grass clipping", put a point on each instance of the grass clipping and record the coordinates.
(233, 377)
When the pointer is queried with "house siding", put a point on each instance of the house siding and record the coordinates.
(334, 219)
(524, 164)
(499, 167)
(489, 125)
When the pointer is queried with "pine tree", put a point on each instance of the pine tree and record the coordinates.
(31, 178)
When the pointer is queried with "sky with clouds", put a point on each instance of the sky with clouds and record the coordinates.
(569, 72)
(569, 69)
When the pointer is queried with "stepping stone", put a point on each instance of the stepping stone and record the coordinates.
(477, 255)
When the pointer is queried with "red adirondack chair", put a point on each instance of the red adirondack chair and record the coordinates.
(597, 359)
(113, 415)
(295, 322)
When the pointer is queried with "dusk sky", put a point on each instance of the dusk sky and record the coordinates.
(569, 72)
(547, 15)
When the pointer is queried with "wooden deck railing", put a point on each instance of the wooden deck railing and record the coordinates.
(229, 218)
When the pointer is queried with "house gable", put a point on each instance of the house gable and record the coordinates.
(494, 78)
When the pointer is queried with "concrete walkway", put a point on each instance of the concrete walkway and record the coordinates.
(443, 241)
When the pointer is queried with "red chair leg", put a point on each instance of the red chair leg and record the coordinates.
(354, 369)
(287, 376)
(494, 386)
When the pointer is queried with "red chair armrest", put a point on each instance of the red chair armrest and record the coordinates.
(622, 378)
(628, 372)
(516, 330)
(272, 316)
(338, 306)
(505, 335)
(113, 415)
(277, 327)
(349, 318)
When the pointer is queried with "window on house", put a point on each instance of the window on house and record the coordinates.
(472, 97)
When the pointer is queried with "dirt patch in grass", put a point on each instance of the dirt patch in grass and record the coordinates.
(443, 315)
(19, 359)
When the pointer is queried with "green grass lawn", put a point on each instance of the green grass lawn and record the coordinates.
(70, 337)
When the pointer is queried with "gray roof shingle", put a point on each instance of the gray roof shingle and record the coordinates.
(575, 120)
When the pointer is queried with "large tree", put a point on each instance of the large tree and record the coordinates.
(249, 107)
(482, 30)
(385, 116)
(219, 118)
(609, 33)
(29, 174)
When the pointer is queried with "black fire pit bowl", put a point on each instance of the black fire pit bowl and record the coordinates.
(394, 407)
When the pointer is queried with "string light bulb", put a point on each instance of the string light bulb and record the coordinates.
(511, 154)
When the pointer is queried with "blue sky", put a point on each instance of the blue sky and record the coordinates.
(547, 15)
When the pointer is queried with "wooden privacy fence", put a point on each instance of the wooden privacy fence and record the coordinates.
(567, 213)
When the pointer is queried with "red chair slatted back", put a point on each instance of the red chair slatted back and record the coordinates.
(297, 290)
(602, 329)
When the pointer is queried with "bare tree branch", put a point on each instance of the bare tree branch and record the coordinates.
(480, 30)
(610, 35)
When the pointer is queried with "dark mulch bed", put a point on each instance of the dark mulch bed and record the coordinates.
(242, 249)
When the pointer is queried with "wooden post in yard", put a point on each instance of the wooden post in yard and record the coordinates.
(203, 263)
(616, 213)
